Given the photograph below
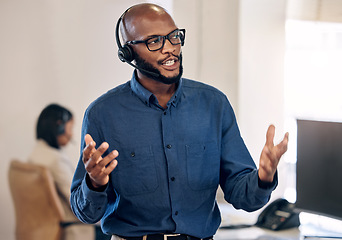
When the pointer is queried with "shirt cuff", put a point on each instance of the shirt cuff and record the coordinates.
(268, 185)
(91, 187)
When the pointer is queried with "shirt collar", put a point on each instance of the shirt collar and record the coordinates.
(140, 91)
(147, 97)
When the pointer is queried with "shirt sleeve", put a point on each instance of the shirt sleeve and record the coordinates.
(238, 174)
(88, 205)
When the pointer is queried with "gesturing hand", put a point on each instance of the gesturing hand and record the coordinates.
(271, 155)
(98, 168)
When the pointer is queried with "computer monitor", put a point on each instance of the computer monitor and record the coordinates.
(319, 168)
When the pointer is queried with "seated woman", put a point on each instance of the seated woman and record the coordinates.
(54, 131)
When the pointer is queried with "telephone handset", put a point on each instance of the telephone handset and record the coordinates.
(278, 215)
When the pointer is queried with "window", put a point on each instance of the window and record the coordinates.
(313, 81)
(313, 78)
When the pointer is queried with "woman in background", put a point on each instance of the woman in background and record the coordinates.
(54, 131)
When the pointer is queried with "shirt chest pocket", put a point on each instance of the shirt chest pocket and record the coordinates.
(203, 165)
(136, 172)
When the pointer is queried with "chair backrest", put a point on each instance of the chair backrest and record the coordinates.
(37, 206)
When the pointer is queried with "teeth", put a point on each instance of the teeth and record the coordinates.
(169, 63)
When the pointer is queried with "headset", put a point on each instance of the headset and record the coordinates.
(61, 126)
(125, 52)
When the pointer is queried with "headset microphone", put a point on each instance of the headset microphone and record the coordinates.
(143, 70)
(125, 52)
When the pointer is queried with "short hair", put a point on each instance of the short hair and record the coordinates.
(51, 123)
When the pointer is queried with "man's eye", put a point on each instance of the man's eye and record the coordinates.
(154, 40)
(175, 36)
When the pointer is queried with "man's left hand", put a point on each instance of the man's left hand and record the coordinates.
(270, 155)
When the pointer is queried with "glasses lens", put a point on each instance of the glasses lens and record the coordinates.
(175, 37)
(155, 43)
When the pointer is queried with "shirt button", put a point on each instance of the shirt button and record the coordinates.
(169, 146)
(176, 213)
(173, 178)
(164, 113)
(132, 154)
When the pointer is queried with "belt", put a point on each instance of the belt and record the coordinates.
(166, 237)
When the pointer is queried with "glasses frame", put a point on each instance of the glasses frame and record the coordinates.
(182, 37)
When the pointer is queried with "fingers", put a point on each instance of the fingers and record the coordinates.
(93, 156)
(89, 150)
(88, 139)
(270, 136)
(106, 165)
(282, 146)
(103, 162)
(270, 155)
(100, 168)
(96, 155)
(109, 162)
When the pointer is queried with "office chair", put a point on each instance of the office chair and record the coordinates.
(38, 210)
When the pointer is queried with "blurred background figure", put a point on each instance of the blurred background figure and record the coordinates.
(54, 131)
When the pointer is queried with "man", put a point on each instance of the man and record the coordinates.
(178, 140)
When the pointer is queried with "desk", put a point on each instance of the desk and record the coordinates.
(230, 216)
(255, 233)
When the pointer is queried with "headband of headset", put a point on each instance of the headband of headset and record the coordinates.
(125, 52)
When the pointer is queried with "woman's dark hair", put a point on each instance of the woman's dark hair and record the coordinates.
(51, 123)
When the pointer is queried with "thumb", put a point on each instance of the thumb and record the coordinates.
(282, 146)
(88, 139)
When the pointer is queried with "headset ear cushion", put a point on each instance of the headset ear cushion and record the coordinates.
(126, 53)
(60, 129)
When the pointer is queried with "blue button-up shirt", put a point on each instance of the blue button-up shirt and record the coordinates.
(170, 164)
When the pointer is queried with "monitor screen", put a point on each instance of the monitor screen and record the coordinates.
(319, 167)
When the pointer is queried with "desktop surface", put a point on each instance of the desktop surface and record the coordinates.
(311, 227)
(256, 233)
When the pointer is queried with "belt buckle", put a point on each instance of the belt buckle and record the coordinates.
(170, 235)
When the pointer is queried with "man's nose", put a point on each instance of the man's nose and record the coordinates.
(168, 46)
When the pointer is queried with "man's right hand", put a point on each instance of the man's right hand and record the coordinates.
(98, 168)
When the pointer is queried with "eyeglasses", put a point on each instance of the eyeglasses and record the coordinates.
(157, 42)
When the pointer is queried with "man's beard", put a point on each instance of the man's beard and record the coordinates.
(141, 63)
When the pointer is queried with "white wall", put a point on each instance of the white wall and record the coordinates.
(211, 44)
(64, 51)
(261, 74)
(51, 51)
